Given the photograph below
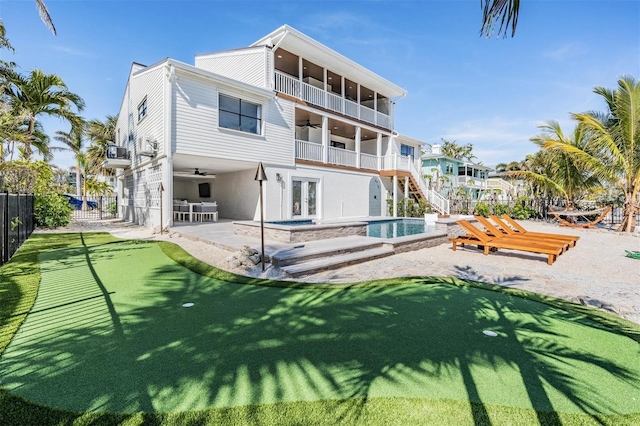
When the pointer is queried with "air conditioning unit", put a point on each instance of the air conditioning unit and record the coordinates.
(147, 146)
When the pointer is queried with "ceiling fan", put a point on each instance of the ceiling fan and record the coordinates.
(199, 173)
(308, 124)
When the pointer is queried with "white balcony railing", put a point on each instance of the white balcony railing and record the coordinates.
(367, 114)
(472, 182)
(383, 120)
(368, 161)
(292, 86)
(335, 102)
(308, 151)
(342, 157)
(503, 185)
(287, 85)
(313, 94)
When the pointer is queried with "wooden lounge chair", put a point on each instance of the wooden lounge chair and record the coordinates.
(544, 236)
(481, 239)
(573, 239)
(580, 214)
(493, 230)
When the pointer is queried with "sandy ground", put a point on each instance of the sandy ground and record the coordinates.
(596, 272)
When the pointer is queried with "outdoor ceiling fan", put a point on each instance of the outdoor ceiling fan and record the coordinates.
(308, 124)
(199, 173)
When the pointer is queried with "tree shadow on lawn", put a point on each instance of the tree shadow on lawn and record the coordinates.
(241, 345)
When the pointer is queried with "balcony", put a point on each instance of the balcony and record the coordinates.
(311, 151)
(310, 93)
(472, 182)
(117, 158)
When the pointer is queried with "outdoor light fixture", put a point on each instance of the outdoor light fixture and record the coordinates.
(261, 176)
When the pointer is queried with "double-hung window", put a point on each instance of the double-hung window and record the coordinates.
(239, 115)
(406, 150)
(142, 109)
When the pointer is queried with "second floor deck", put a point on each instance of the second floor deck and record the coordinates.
(315, 92)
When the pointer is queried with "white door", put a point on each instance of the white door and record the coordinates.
(304, 200)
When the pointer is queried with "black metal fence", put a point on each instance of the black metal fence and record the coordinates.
(540, 205)
(98, 208)
(16, 222)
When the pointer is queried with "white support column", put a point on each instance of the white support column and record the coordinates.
(379, 150)
(344, 107)
(358, 145)
(395, 196)
(358, 95)
(375, 107)
(406, 194)
(326, 93)
(300, 69)
(325, 139)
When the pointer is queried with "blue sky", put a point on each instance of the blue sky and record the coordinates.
(492, 93)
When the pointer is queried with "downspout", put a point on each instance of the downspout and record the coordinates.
(168, 170)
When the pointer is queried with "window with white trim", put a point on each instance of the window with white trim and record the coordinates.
(449, 169)
(142, 109)
(406, 150)
(237, 114)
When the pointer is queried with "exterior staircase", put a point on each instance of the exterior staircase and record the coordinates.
(418, 188)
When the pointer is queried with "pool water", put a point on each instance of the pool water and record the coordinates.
(299, 222)
(397, 228)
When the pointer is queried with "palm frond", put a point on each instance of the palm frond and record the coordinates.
(503, 11)
(45, 16)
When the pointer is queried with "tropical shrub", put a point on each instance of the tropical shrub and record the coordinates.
(112, 208)
(521, 209)
(499, 209)
(482, 209)
(52, 210)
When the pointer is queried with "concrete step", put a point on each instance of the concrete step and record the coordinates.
(304, 252)
(338, 261)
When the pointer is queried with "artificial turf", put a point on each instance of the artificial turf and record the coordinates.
(109, 333)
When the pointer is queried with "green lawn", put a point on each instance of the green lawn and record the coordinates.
(108, 340)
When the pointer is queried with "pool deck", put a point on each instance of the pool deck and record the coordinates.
(307, 257)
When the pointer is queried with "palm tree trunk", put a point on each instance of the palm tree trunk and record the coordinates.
(629, 220)
(27, 142)
(85, 207)
(78, 179)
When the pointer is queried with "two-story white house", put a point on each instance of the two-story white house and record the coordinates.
(321, 124)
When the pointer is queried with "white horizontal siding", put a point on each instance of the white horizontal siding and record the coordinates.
(249, 67)
(150, 85)
(196, 132)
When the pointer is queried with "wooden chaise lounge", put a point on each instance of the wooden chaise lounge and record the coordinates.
(481, 239)
(496, 232)
(543, 236)
(580, 214)
(573, 239)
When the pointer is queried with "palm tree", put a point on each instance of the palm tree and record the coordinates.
(40, 94)
(503, 11)
(73, 141)
(101, 134)
(560, 166)
(614, 152)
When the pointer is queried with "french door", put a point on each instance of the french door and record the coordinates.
(304, 199)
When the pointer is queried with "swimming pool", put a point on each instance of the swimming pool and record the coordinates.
(295, 222)
(397, 228)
